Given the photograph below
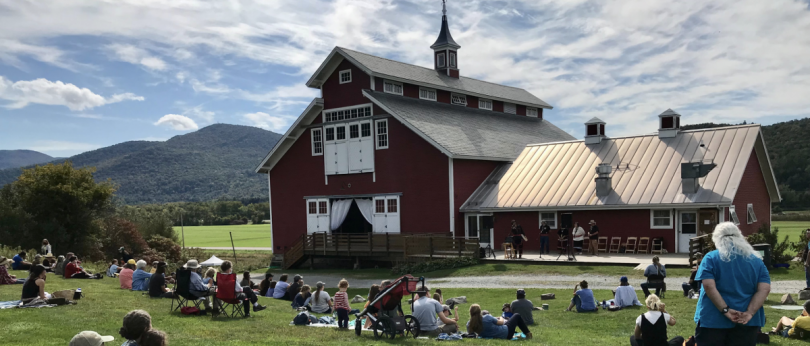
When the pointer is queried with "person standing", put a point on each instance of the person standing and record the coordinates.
(594, 237)
(579, 237)
(807, 259)
(735, 285)
(517, 238)
(46, 247)
(544, 234)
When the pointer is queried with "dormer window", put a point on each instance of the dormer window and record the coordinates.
(427, 94)
(452, 59)
(392, 87)
(460, 100)
(531, 112)
(345, 76)
(440, 60)
(509, 108)
(485, 104)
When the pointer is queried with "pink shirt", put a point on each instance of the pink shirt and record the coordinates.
(342, 300)
(125, 277)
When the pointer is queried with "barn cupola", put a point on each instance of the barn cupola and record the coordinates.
(594, 131)
(445, 49)
(669, 124)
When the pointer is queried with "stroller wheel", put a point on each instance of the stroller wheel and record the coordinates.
(358, 326)
(411, 326)
(383, 329)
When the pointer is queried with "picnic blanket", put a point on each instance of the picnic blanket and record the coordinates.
(787, 307)
(16, 304)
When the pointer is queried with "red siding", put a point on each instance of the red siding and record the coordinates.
(454, 73)
(336, 95)
(410, 90)
(529, 220)
(410, 166)
(467, 176)
(472, 101)
(378, 84)
(443, 96)
(754, 191)
(497, 106)
(520, 110)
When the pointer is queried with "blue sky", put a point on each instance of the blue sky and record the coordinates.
(79, 75)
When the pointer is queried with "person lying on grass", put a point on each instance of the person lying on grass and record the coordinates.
(74, 271)
(787, 327)
(34, 287)
(583, 299)
(489, 327)
(651, 327)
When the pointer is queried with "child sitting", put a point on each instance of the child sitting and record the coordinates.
(302, 299)
(342, 306)
(787, 327)
(507, 311)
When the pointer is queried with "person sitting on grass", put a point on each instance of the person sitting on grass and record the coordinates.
(426, 310)
(242, 293)
(506, 311)
(264, 285)
(5, 277)
(651, 327)
(438, 297)
(448, 328)
(157, 283)
(787, 327)
(74, 271)
(208, 278)
(90, 338)
(294, 288)
(321, 302)
(625, 295)
(113, 268)
(303, 298)
(140, 277)
(693, 284)
(59, 267)
(398, 310)
(136, 324)
(489, 327)
(583, 299)
(372, 294)
(281, 287)
(246, 282)
(19, 263)
(153, 337)
(523, 306)
(125, 276)
(34, 286)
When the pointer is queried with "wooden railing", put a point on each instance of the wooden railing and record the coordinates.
(698, 244)
(443, 246)
(294, 254)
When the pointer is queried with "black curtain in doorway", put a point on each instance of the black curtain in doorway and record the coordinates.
(354, 223)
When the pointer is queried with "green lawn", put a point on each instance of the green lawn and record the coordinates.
(793, 229)
(105, 305)
(218, 236)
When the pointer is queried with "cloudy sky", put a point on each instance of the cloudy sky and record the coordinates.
(78, 75)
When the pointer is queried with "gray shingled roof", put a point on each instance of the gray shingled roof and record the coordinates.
(420, 74)
(464, 131)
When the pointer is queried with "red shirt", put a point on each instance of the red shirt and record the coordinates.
(342, 300)
(70, 269)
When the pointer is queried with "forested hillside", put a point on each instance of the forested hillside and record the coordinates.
(22, 158)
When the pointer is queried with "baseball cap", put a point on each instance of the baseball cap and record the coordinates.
(90, 338)
(623, 279)
(521, 291)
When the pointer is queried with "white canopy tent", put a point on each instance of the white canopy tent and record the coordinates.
(214, 261)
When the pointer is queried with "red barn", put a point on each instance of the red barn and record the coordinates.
(391, 147)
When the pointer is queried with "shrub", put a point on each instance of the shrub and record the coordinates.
(779, 250)
(429, 266)
(115, 233)
(164, 247)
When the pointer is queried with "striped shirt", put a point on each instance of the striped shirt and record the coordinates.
(342, 300)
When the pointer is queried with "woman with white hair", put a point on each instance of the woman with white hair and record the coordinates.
(140, 277)
(735, 285)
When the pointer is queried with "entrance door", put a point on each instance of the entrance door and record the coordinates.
(481, 227)
(687, 229)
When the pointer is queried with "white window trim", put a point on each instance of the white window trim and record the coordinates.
(312, 140)
(485, 100)
(440, 60)
(652, 219)
(369, 105)
(435, 94)
(540, 218)
(401, 87)
(751, 217)
(340, 76)
(452, 59)
(458, 95)
(536, 113)
(387, 135)
(732, 215)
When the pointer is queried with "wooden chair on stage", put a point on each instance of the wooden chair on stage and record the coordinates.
(615, 244)
(657, 246)
(643, 245)
(602, 244)
(508, 249)
(630, 245)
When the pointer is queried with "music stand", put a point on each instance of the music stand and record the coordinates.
(568, 246)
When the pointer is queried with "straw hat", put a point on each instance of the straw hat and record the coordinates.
(49, 256)
(192, 264)
(3, 260)
(88, 338)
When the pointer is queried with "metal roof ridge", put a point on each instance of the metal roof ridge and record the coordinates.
(463, 108)
(721, 128)
(648, 134)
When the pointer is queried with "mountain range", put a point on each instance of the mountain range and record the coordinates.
(22, 158)
(215, 162)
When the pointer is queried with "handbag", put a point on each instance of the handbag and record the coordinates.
(66, 294)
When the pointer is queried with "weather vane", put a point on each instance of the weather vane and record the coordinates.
(444, 8)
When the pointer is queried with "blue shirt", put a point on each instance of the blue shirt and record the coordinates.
(16, 261)
(652, 270)
(113, 269)
(491, 329)
(196, 283)
(737, 282)
(139, 279)
(281, 290)
(586, 296)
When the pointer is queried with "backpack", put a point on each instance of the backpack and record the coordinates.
(189, 310)
(301, 319)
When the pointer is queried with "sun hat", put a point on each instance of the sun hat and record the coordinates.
(192, 264)
(3, 260)
(131, 261)
(89, 338)
(592, 222)
(49, 256)
(623, 279)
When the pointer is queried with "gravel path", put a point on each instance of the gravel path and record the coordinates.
(512, 281)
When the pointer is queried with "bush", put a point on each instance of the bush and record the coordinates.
(429, 266)
(165, 248)
(115, 233)
(779, 250)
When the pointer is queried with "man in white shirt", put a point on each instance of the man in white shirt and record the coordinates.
(625, 294)
(579, 236)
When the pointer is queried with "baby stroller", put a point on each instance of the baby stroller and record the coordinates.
(387, 323)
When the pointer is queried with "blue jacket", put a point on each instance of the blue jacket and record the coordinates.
(140, 280)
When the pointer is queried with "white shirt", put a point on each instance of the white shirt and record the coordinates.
(626, 296)
(653, 317)
(579, 234)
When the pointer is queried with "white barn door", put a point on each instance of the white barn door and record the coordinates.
(312, 216)
(355, 149)
(366, 147)
(323, 216)
(342, 149)
(379, 215)
(330, 155)
(386, 214)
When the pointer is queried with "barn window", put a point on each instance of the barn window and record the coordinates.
(452, 59)
(317, 142)
(382, 134)
(427, 94)
(392, 205)
(532, 112)
(460, 100)
(485, 104)
(732, 215)
(751, 216)
(440, 60)
(550, 218)
(392, 87)
(346, 113)
(313, 207)
(345, 76)
(509, 108)
(379, 206)
(661, 218)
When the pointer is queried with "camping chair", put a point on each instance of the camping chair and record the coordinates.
(656, 281)
(229, 305)
(630, 245)
(657, 246)
(643, 245)
(602, 244)
(615, 244)
(181, 291)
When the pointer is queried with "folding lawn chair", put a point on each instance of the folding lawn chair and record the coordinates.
(182, 294)
(229, 305)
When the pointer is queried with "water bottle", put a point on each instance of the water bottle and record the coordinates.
(78, 294)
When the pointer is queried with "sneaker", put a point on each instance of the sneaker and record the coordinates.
(259, 308)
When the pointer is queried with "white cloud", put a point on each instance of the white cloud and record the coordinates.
(137, 56)
(177, 122)
(200, 113)
(267, 121)
(10, 50)
(43, 91)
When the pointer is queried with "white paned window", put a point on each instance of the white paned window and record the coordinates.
(485, 104)
(550, 218)
(452, 59)
(732, 213)
(440, 60)
(531, 112)
(661, 219)
(509, 108)
(347, 113)
(457, 99)
(392, 87)
(751, 216)
(317, 142)
(382, 134)
(345, 76)
(427, 94)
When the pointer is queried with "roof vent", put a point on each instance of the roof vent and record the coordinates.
(603, 181)
(691, 172)
(594, 131)
(669, 124)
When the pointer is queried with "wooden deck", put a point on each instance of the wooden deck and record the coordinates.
(640, 261)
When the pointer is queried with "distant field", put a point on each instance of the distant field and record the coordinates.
(793, 229)
(215, 236)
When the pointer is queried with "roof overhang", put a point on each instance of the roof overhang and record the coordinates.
(313, 110)
(767, 169)
(464, 209)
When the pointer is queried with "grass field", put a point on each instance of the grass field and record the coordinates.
(793, 229)
(104, 306)
(218, 236)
